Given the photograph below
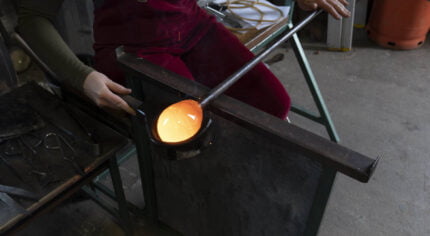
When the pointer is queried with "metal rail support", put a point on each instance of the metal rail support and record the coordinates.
(324, 117)
(121, 213)
(120, 196)
(328, 175)
(144, 157)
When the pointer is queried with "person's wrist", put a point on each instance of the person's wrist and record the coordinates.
(80, 76)
(92, 85)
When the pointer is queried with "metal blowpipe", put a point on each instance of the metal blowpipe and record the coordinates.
(222, 87)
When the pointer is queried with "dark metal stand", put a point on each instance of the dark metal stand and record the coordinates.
(120, 196)
(320, 201)
(212, 199)
(323, 118)
(144, 157)
(328, 175)
(121, 213)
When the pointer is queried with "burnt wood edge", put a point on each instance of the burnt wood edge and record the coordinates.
(330, 154)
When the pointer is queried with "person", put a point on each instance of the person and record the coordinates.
(175, 34)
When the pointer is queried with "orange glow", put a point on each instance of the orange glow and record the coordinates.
(179, 121)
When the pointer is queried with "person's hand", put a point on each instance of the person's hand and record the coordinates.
(336, 8)
(102, 91)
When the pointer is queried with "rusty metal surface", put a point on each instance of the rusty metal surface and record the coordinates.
(41, 170)
(17, 119)
(241, 185)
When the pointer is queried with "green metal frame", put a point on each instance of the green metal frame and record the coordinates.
(121, 212)
(328, 175)
(324, 117)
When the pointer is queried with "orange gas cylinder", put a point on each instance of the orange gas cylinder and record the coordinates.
(399, 24)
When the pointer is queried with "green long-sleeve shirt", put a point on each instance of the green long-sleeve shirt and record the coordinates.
(35, 24)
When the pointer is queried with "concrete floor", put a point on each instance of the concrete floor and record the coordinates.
(379, 102)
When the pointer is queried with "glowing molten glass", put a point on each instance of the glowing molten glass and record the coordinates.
(179, 121)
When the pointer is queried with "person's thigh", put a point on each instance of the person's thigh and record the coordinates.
(105, 62)
(219, 54)
(171, 62)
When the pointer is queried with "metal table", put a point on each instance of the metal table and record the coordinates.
(62, 180)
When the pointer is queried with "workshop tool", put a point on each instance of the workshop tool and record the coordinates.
(53, 141)
(17, 122)
(95, 150)
(185, 117)
(12, 147)
(17, 145)
(25, 140)
(46, 177)
(17, 119)
(19, 192)
(4, 197)
(88, 146)
(39, 173)
(10, 167)
(228, 19)
(179, 150)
